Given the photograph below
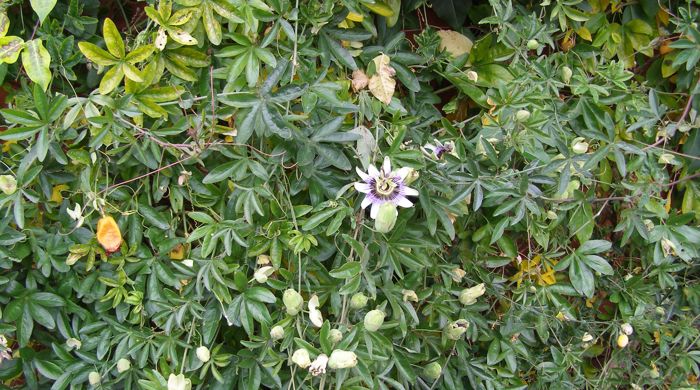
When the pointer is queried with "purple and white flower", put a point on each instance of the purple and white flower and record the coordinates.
(384, 186)
(438, 150)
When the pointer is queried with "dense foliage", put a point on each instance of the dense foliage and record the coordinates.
(353, 194)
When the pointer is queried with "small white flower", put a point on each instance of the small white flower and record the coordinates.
(94, 378)
(301, 358)
(262, 273)
(314, 314)
(123, 365)
(188, 262)
(587, 337)
(627, 329)
(179, 382)
(318, 366)
(76, 214)
(73, 343)
(473, 76)
(468, 296)
(203, 353)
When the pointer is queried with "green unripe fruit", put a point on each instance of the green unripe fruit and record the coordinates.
(386, 218)
(374, 320)
(335, 335)
(522, 115)
(8, 184)
(532, 44)
(293, 302)
(358, 301)
(566, 74)
(432, 371)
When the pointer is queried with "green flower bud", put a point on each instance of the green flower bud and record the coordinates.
(468, 296)
(358, 301)
(456, 329)
(342, 359)
(277, 333)
(335, 336)
(301, 358)
(566, 74)
(8, 184)
(203, 353)
(411, 177)
(522, 115)
(432, 371)
(386, 218)
(293, 301)
(123, 365)
(532, 44)
(374, 320)
(579, 145)
(94, 378)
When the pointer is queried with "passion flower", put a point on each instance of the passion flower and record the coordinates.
(384, 186)
(293, 301)
(108, 234)
(374, 320)
(318, 366)
(342, 359)
(438, 150)
(314, 314)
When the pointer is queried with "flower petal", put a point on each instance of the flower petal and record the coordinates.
(366, 202)
(408, 191)
(403, 172)
(362, 187)
(372, 171)
(374, 211)
(403, 202)
(363, 175)
(386, 167)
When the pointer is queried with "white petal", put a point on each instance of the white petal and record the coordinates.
(403, 202)
(403, 172)
(366, 202)
(362, 187)
(372, 171)
(316, 318)
(386, 167)
(313, 302)
(363, 175)
(408, 191)
(374, 211)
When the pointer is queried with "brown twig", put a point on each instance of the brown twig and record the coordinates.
(133, 179)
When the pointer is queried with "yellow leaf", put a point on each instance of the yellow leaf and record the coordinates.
(380, 9)
(108, 234)
(454, 43)
(178, 253)
(584, 33)
(355, 17)
(382, 83)
(56, 193)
